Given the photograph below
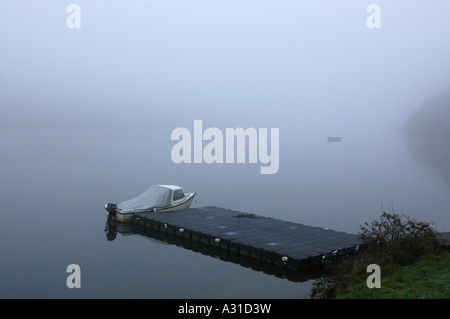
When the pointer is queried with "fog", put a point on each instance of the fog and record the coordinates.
(311, 70)
(86, 114)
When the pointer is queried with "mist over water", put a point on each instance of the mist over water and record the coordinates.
(86, 117)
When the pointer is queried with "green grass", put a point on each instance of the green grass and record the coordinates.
(426, 278)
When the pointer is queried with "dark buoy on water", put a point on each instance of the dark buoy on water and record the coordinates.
(332, 139)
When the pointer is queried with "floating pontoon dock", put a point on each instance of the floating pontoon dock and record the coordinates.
(283, 243)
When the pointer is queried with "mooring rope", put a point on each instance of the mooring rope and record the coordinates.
(199, 202)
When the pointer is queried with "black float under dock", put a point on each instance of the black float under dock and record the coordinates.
(287, 244)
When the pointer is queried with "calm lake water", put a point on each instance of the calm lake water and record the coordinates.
(54, 184)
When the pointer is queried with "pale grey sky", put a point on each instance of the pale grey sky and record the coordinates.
(308, 65)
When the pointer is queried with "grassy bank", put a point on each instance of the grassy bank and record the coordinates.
(426, 278)
(413, 263)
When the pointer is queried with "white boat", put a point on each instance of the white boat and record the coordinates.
(158, 198)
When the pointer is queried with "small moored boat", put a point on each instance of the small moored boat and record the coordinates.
(158, 198)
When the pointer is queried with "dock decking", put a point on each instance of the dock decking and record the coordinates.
(283, 243)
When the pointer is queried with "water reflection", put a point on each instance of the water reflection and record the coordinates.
(427, 135)
(112, 227)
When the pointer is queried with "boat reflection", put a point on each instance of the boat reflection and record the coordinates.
(113, 227)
